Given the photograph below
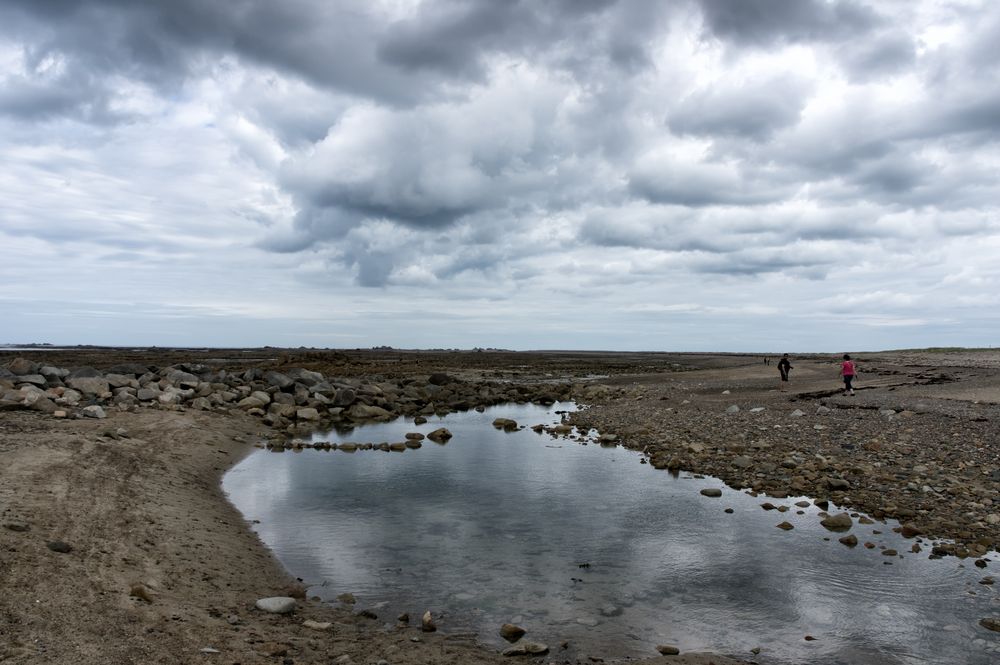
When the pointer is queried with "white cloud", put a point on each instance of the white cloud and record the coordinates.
(615, 176)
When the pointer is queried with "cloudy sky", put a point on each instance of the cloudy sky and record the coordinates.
(696, 175)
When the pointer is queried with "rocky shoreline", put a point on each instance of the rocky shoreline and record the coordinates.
(294, 402)
(135, 451)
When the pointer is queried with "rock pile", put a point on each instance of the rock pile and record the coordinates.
(293, 401)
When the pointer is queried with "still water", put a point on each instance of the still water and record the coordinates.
(586, 544)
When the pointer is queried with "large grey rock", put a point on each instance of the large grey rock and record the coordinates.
(147, 394)
(22, 366)
(88, 385)
(118, 380)
(181, 378)
(53, 373)
(278, 380)
(307, 414)
(276, 604)
(732, 409)
(34, 379)
(365, 412)
(344, 397)
(305, 377)
(253, 402)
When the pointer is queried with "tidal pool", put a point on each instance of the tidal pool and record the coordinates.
(587, 545)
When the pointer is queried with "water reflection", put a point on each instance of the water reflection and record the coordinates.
(582, 543)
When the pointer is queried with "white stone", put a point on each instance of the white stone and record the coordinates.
(276, 604)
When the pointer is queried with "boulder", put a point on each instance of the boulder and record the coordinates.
(33, 379)
(365, 412)
(305, 377)
(88, 385)
(439, 379)
(307, 414)
(344, 397)
(180, 378)
(22, 366)
(732, 409)
(511, 633)
(147, 394)
(119, 380)
(278, 380)
(53, 373)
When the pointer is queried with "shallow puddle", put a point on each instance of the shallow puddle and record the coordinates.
(587, 545)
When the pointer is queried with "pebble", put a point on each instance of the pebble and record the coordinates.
(668, 649)
(786, 526)
(711, 491)
(317, 625)
(59, 546)
(276, 604)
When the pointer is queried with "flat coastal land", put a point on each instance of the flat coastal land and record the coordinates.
(118, 546)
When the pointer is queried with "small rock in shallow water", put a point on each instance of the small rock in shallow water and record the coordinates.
(990, 623)
(427, 623)
(347, 598)
(59, 546)
(711, 491)
(786, 526)
(839, 522)
(511, 633)
(667, 649)
(850, 540)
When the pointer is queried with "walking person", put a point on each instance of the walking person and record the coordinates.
(784, 367)
(848, 371)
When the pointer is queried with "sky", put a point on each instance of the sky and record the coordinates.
(698, 175)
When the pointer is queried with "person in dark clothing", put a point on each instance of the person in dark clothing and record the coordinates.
(784, 367)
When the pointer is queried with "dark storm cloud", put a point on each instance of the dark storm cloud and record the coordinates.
(342, 47)
(766, 23)
(74, 96)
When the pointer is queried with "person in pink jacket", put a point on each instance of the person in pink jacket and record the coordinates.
(848, 371)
